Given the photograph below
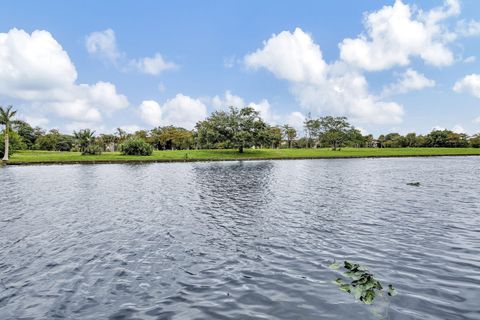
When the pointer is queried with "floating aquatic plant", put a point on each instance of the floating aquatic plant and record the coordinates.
(363, 285)
(414, 184)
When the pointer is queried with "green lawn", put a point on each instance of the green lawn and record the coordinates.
(190, 155)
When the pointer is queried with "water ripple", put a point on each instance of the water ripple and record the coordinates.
(239, 240)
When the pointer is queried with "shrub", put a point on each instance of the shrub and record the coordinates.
(136, 147)
(92, 149)
(15, 144)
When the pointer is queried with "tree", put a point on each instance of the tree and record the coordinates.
(475, 141)
(355, 138)
(84, 138)
(107, 141)
(237, 128)
(411, 139)
(6, 118)
(171, 137)
(54, 141)
(312, 129)
(290, 133)
(26, 132)
(275, 136)
(437, 138)
(15, 143)
(121, 135)
(334, 130)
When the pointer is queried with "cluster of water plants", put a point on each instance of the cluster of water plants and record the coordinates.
(361, 282)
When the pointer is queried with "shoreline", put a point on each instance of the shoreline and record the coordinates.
(146, 161)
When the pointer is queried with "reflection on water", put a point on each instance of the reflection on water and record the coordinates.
(238, 240)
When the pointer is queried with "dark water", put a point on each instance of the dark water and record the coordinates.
(239, 240)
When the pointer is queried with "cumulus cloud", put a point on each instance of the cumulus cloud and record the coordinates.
(104, 45)
(290, 56)
(469, 84)
(151, 113)
(228, 100)
(154, 65)
(318, 86)
(182, 111)
(410, 80)
(469, 59)
(396, 33)
(35, 68)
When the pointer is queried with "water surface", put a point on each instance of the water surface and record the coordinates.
(239, 240)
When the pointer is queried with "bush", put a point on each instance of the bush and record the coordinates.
(93, 149)
(136, 147)
(15, 144)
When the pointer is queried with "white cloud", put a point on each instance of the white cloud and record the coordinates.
(104, 45)
(104, 95)
(438, 128)
(408, 81)
(182, 111)
(396, 33)
(35, 68)
(296, 120)
(35, 121)
(469, 84)
(263, 107)
(228, 100)
(476, 120)
(290, 56)
(154, 65)
(319, 87)
(131, 128)
(458, 129)
(79, 125)
(468, 29)
(469, 59)
(151, 113)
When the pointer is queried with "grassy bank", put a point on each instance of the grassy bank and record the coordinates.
(26, 157)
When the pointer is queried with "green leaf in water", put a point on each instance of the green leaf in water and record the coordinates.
(363, 286)
(391, 291)
(334, 266)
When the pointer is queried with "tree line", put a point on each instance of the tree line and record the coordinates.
(235, 128)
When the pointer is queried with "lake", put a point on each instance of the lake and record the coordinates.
(239, 240)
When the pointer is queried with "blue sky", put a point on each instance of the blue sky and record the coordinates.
(387, 65)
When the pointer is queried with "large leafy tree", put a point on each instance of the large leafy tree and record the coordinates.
(54, 140)
(334, 130)
(6, 118)
(170, 137)
(26, 132)
(234, 128)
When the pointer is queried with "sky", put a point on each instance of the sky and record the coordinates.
(389, 66)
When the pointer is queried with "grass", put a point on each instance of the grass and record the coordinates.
(26, 157)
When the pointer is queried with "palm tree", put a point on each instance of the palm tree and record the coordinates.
(6, 118)
(84, 138)
(290, 133)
